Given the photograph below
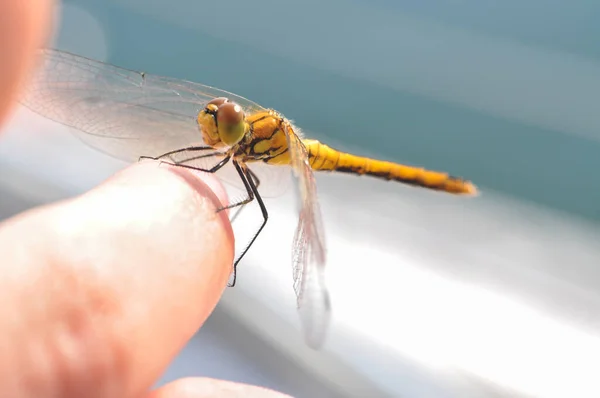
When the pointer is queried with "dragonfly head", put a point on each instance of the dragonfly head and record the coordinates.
(222, 121)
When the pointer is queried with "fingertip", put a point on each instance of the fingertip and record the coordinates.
(140, 262)
(197, 179)
(209, 388)
(168, 202)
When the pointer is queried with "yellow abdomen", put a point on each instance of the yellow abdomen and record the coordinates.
(324, 158)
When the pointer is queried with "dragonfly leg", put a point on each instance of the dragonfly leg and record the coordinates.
(146, 157)
(239, 210)
(213, 169)
(176, 151)
(250, 197)
(250, 184)
(190, 149)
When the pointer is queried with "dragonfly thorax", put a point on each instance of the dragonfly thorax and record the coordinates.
(222, 123)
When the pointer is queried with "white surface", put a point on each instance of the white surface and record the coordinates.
(486, 290)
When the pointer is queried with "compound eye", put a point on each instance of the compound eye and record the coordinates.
(231, 123)
(230, 114)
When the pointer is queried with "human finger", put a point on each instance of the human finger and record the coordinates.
(211, 388)
(107, 287)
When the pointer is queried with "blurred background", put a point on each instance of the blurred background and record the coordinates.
(433, 295)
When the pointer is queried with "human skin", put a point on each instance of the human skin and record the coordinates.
(102, 290)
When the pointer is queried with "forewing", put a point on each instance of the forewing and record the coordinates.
(124, 113)
(309, 252)
(128, 114)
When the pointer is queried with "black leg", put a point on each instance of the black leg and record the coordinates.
(182, 162)
(263, 208)
(190, 148)
(250, 197)
(248, 177)
(213, 169)
(257, 183)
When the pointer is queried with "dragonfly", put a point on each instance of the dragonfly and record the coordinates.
(131, 115)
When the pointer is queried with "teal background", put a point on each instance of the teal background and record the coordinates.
(548, 167)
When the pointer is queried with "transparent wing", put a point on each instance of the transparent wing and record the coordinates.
(309, 252)
(128, 114)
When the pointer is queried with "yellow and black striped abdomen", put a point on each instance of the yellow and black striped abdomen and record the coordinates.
(324, 158)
